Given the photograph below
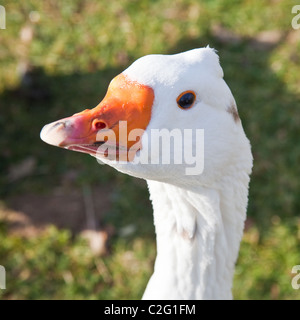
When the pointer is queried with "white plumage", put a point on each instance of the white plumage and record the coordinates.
(199, 219)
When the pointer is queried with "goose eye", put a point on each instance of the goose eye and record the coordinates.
(186, 100)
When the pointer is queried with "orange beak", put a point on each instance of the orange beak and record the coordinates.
(126, 101)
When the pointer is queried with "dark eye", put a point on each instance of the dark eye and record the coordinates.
(186, 100)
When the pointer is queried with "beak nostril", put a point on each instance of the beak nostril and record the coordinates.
(99, 125)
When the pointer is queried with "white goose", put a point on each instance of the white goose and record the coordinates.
(199, 219)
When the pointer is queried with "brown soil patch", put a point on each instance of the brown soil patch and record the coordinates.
(29, 214)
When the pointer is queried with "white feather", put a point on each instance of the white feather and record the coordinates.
(199, 220)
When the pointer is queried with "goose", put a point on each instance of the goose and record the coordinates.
(199, 208)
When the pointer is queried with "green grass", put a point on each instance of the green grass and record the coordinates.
(79, 46)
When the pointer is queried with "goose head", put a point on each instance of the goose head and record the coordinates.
(169, 118)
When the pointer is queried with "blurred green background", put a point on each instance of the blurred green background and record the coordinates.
(57, 58)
